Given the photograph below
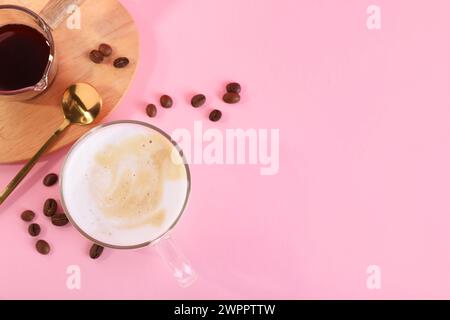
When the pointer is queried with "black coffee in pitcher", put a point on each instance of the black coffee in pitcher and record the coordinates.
(24, 55)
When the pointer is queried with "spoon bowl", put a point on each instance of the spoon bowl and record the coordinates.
(81, 103)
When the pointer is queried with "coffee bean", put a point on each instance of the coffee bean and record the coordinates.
(121, 62)
(42, 247)
(96, 251)
(27, 215)
(60, 220)
(198, 100)
(234, 87)
(50, 179)
(215, 115)
(34, 229)
(166, 101)
(96, 56)
(151, 110)
(105, 49)
(231, 97)
(50, 207)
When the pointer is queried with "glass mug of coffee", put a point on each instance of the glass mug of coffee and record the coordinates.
(125, 185)
(27, 50)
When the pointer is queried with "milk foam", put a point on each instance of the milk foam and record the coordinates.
(125, 184)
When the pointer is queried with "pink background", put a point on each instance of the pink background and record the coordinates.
(365, 156)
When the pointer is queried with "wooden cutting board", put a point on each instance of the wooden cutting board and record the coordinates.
(25, 126)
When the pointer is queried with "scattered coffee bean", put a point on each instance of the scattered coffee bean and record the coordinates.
(34, 229)
(105, 49)
(96, 251)
(96, 56)
(234, 87)
(50, 179)
(27, 215)
(198, 100)
(50, 207)
(121, 62)
(231, 97)
(166, 101)
(42, 247)
(215, 115)
(151, 110)
(60, 220)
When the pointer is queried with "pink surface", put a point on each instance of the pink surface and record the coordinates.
(364, 156)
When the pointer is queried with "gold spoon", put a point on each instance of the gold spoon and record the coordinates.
(81, 104)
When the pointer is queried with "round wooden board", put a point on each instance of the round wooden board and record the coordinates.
(25, 126)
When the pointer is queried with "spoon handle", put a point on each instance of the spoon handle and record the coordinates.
(26, 169)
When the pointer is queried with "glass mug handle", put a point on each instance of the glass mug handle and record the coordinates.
(178, 264)
(55, 11)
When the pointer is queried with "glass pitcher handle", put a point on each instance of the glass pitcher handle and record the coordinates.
(55, 11)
